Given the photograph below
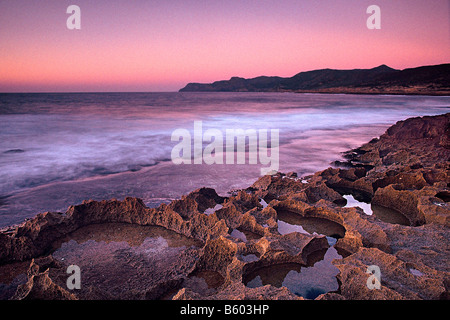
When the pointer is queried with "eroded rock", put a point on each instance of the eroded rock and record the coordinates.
(406, 169)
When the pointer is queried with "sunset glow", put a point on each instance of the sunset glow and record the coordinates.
(162, 45)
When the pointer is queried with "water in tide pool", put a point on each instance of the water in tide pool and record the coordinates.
(62, 148)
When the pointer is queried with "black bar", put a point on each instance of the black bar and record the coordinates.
(223, 309)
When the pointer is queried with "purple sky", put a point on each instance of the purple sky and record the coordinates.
(161, 45)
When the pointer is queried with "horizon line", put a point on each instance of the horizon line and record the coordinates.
(178, 90)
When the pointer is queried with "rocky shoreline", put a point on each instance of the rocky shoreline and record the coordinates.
(405, 171)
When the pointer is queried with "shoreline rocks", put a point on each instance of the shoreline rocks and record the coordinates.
(405, 170)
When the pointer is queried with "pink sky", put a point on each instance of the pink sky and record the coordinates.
(161, 45)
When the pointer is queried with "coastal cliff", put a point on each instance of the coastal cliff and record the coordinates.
(427, 80)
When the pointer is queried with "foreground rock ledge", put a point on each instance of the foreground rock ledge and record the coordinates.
(405, 170)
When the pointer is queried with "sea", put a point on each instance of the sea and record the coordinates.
(58, 149)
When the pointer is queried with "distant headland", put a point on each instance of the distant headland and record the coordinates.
(425, 80)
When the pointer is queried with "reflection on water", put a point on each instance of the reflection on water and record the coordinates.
(319, 275)
(385, 214)
(238, 235)
(244, 235)
(120, 260)
(131, 235)
(305, 281)
(390, 215)
(286, 227)
(203, 282)
(352, 202)
(289, 221)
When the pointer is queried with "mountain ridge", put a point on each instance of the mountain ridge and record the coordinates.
(433, 80)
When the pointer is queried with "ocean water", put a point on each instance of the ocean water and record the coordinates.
(62, 148)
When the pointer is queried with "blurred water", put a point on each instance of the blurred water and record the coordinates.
(58, 149)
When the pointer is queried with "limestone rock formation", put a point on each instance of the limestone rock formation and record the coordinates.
(405, 172)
